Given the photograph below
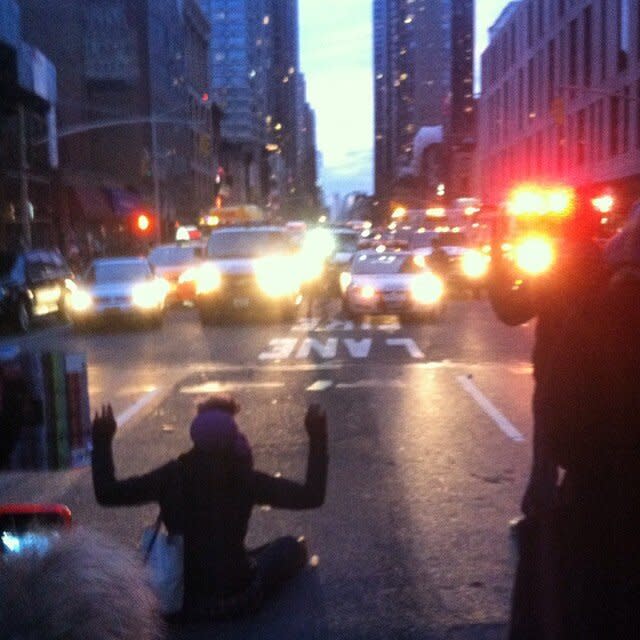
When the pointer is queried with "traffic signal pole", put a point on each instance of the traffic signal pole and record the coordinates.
(25, 214)
(154, 161)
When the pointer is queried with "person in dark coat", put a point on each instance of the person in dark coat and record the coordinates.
(597, 401)
(207, 495)
(549, 299)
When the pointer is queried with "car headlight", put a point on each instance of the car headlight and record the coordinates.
(366, 292)
(277, 276)
(311, 266)
(80, 301)
(345, 280)
(148, 295)
(475, 265)
(427, 288)
(208, 279)
(535, 255)
(189, 275)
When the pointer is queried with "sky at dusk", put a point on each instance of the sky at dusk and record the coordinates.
(336, 47)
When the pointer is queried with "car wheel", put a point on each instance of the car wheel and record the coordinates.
(22, 317)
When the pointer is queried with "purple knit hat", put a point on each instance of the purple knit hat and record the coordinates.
(216, 431)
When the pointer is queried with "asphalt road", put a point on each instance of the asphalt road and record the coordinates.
(430, 433)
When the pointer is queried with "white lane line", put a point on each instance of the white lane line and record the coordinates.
(372, 384)
(213, 386)
(136, 407)
(320, 385)
(488, 407)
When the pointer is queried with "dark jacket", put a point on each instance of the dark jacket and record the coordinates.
(574, 279)
(209, 499)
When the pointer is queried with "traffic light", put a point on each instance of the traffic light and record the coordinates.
(143, 224)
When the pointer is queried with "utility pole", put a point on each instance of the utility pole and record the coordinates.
(154, 161)
(25, 213)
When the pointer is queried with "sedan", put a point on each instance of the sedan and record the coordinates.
(392, 282)
(115, 288)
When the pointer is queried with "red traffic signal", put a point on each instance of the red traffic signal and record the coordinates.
(143, 223)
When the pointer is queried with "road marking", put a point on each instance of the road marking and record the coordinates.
(372, 384)
(409, 344)
(213, 386)
(135, 408)
(320, 385)
(326, 351)
(358, 348)
(489, 408)
(281, 349)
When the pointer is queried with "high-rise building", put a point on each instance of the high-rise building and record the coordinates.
(461, 129)
(560, 91)
(412, 58)
(131, 81)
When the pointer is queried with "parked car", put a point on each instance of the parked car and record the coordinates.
(119, 288)
(33, 284)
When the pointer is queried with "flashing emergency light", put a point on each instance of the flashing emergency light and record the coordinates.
(400, 212)
(535, 255)
(604, 203)
(436, 212)
(533, 200)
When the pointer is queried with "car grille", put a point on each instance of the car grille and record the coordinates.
(240, 284)
(113, 300)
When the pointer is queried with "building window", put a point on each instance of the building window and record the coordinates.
(581, 138)
(573, 56)
(600, 116)
(588, 36)
(520, 115)
(623, 15)
(561, 145)
(539, 153)
(530, 24)
(530, 98)
(541, 18)
(626, 119)
(507, 110)
(563, 66)
(638, 115)
(614, 125)
(551, 75)
(592, 132)
(603, 39)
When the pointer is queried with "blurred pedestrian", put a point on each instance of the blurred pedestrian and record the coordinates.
(84, 587)
(549, 299)
(207, 495)
(597, 441)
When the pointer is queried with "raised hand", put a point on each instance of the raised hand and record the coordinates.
(104, 424)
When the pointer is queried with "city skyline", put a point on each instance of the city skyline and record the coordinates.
(337, 59)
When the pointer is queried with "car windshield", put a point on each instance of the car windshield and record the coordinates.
(385, 263)
(247, 244)
(108, 272)
(346, 242)
(7, 260)
(450, 239)
(169, 256)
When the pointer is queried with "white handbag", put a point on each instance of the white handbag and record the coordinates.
(164, 559)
